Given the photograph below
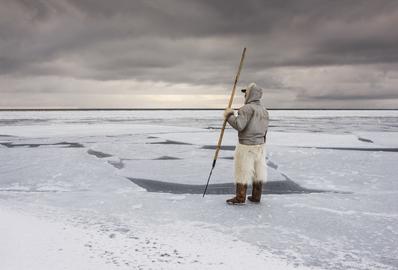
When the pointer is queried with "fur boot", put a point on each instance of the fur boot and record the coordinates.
(240, 194)
(256, 193)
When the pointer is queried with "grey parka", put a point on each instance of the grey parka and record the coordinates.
(252, 120)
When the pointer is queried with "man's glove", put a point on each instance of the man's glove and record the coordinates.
(228, 112)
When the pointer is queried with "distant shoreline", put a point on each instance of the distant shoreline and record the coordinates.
(185, 109)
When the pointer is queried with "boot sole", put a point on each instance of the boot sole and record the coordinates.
(235, 203)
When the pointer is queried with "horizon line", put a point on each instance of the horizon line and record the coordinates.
(188, 109)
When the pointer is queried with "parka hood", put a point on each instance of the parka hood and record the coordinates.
(253, 93)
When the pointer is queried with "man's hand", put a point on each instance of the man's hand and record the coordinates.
(228, 112)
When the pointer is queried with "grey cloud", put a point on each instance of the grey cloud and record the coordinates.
(332, 96)
(194, 42)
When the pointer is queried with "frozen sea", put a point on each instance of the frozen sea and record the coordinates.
(121, 190)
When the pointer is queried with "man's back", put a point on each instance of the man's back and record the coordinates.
(252, 120)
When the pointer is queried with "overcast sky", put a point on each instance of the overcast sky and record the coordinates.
(185, 53)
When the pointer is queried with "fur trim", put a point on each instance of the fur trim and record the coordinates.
(249, 163)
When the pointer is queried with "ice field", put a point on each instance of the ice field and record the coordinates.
(122, 190)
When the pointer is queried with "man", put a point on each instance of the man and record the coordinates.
(251, 124)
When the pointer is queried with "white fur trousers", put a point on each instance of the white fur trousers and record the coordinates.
(250, 163)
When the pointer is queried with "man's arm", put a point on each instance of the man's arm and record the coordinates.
(240, 122)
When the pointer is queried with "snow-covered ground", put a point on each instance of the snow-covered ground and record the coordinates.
(67, 200)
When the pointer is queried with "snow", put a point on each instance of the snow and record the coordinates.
(34, 243)
(31, 243)
(66, 202)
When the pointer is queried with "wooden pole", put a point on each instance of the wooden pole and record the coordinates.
(231, 99)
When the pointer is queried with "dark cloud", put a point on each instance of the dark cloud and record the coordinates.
(196, 42)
